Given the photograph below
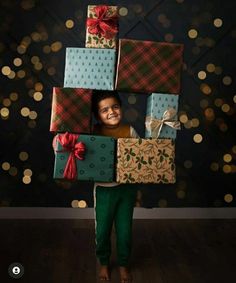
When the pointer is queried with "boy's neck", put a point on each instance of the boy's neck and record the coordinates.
(110, 127)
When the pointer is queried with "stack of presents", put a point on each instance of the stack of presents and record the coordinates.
(106, 63)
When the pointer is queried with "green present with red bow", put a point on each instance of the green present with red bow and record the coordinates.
(101, 26)
(84, 157)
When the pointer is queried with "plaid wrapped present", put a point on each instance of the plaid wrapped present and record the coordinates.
(90, 68)
(84, 157)
(161, 116)
(145, 161)
(101, 26)
(71, 110)
(146, 66)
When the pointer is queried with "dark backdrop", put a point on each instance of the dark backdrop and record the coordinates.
(33, 39)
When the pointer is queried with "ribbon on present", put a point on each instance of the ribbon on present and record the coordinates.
(155, 125)
(76, 150)
(104, 25)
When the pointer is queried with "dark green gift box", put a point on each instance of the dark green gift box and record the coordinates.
(98, 164)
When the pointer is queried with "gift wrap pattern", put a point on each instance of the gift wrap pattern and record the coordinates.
(90, 68)
(110, 17)
(146, 66)
(145, 161)
(98, 164)
(71, 110)
(157, 104)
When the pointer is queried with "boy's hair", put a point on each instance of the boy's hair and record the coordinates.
(99, 95)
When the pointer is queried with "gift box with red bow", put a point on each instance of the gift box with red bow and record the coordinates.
(161, 116)
(71, 110)
(84, 157)
(145, 161)
(147, 66)
(101, 26)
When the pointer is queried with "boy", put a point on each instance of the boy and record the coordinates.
(112, 202)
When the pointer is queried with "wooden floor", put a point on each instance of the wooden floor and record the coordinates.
(164, 251)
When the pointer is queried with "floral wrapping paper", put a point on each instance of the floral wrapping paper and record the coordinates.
(101, 26)
(145, 161)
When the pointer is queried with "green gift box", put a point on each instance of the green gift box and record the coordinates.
(98, 163)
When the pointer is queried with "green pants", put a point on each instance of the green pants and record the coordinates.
(114, 204)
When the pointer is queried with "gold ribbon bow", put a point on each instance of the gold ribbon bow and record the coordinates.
(155, 125)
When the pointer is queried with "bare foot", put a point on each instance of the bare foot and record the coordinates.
(104, 274)
(125, 275)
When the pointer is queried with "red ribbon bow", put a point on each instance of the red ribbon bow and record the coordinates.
(76, 150)
(104, 25)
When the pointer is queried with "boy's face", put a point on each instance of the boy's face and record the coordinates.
(109, 112)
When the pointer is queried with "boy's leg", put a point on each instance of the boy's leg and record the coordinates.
(104, 205)
(123, 223)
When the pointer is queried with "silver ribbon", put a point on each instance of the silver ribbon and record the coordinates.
(155, 125)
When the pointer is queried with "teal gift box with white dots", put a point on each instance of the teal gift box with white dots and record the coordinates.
(157, 104)
(98, 163)
(90, 68)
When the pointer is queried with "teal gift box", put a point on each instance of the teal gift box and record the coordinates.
(161, 116)
(91, 68)
(98, 163)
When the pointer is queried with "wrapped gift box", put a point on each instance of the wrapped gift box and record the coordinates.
(90, 68)
(146, 66)
(98, 163)
(145, 161)
(101, 26)
(161, 116)
(71, 110)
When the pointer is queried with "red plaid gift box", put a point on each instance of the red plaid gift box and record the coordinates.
(71, 110)
(146, 66)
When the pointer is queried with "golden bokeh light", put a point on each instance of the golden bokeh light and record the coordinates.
(6, 70)
(234, 99)
(38, 66)
(6, 102)
(228, 198)
(38, 96)
(234, 149)
(188, 124)
(69, 24)
(223, 127)
(51, 71)
(21, 74)
(227, 169)
(6, 166)
(33, 115)
(32, 124)
(4, 112)
(183, 118)
(197, 138)
(192, 33)
(227, 158)
(38, 86)
(46, 49)
(23, 156)
(123, 11)
(82, 204)
(34, 59)
(227, 80)
(28, 172)
(21, 49)
(12, 75)
(210, 114)
(202, 75)
(25, 111)
(210, 68)
(132, 99)
(195, 122)
(75, 203)
(26, 180)
(13, 171)
(36, 36)
(205, 88)
(17, 62)
(214, 166)
(225, 107)
(56, 46)
(218, 102)
(218, 22)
